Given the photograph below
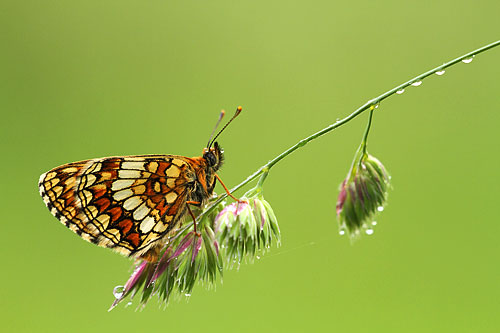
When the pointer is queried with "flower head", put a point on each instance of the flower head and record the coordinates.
(246, 228)
(191, 256)
(362, 194)
(243, 229)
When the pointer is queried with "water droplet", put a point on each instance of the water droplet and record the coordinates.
(380, 208)
(374, 223)
(400, 91)
(118, 291)
(187, 295)
(468, 60)
(128, 304)
(416, 83)
(369, 231)
(258, 257)
(341, 232)
(440, 72)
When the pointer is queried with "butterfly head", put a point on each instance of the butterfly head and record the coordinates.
(214, 156)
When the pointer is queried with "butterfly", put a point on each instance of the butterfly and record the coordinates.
(132, 204)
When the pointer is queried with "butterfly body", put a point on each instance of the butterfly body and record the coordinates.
(131, 204)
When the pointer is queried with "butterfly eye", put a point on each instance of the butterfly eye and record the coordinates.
(210, 157)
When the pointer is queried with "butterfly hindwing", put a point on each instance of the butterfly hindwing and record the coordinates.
(124, 203)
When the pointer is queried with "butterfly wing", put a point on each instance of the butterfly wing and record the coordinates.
(125, 203)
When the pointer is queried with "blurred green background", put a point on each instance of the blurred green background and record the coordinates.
(85, 79)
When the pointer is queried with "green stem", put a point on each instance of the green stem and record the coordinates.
(357, 112)
(367, 130)
(265, 172)
(361, 152)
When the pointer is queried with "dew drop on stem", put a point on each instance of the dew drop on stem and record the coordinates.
(416, 83)
(440, 72)
(118, 291)
(467, 60)
(400, 91)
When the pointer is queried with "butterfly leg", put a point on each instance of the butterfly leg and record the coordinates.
(227, 191)
(192, 215)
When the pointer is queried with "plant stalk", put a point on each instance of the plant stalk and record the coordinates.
(369, 104)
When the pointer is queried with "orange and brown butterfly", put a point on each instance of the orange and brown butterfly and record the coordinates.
(132, 204)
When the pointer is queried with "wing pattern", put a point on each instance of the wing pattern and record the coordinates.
(125, 203)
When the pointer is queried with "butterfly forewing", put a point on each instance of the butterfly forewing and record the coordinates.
(124, 203)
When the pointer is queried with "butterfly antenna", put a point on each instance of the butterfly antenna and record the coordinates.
(221, 115)
(236, 114)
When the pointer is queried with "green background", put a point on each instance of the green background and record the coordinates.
(85, 79)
